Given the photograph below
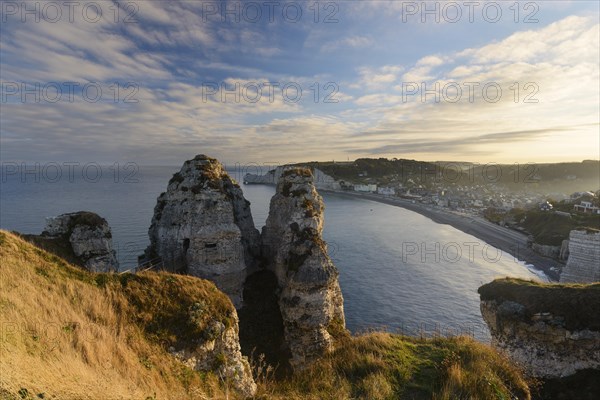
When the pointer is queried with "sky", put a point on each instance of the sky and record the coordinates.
(272, 82)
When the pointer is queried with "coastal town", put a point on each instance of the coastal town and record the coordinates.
(464, 188)
(530, 213)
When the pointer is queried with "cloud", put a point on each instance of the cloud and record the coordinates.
(571, 40)
(352, 42)
(171, 52)
(379, 99)
(549, 96)
(430, 61)
(377, 78)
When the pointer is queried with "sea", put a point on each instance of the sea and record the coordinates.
(399, 270)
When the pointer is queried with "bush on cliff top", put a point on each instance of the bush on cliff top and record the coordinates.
(68, 333)
(549, 228)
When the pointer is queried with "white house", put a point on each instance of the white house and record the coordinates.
(365, 188)
(587, 207)
(387, 191)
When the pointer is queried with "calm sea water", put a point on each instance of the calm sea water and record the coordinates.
(398, 270)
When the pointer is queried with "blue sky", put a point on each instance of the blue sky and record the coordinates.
(375, 59)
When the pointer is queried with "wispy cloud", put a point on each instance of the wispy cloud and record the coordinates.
(171, 52)
(352, 42)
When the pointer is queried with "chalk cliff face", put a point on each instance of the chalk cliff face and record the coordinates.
(320, 179)
(202, 226)
(89, 237)
(310, 301)
(583, 264)
(552, 330)
(324, 181)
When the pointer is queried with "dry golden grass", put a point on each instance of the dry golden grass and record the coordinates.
(382, 366)
(69, 334)
(64, 335)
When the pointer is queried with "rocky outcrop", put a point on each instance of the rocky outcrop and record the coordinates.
(85, 236)
(583, 264)
(266, 179)
(310, 300)
(221, 354)
(546, 250)
(320, 179)
(202, 226)
(553, 331)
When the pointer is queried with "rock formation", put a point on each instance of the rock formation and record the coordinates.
(324, 181)
(547, 250)
(320, 179)
(85, 236)
(202, 226)
(583, 264)
(310, 300)
(552, 330)
(221, 354)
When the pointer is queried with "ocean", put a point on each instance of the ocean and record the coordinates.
(399, 270)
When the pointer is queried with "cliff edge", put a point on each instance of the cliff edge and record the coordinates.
(552, 330)
(71, 334)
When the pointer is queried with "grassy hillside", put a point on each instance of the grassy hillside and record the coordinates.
(70, 334)
(380, 366)
(550, 228)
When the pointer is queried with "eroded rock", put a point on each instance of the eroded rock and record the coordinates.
(89, 237)
(221, 354)
(310, 300)
(202, 226)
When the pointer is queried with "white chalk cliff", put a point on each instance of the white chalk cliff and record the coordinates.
(583, 264)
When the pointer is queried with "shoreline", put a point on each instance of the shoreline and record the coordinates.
(502, 238)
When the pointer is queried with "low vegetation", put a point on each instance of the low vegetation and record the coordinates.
(541, 178)
(547, 227)
(577, 303)
(386, 366)
(70, 334)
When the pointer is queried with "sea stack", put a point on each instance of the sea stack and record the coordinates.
(202, 226)
(83, 234)
(310, 300)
